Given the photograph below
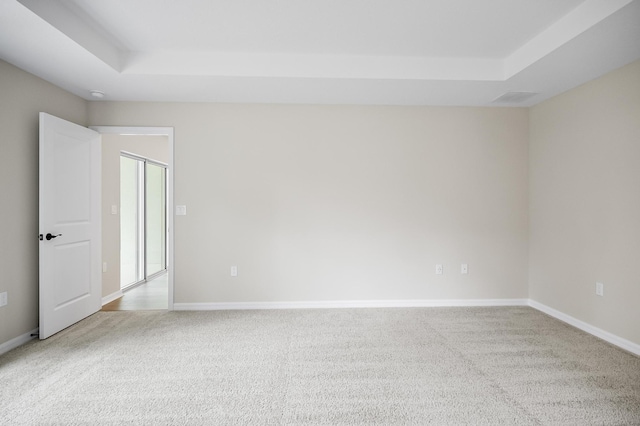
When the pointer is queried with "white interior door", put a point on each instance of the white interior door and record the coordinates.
(70, 224)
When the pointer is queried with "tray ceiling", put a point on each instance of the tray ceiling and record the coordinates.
(401, 52)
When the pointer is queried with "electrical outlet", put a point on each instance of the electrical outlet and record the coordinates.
(234, 271)
(181, 210)
(438, 269)
(464, 268)
(3, 299)
(599, 289)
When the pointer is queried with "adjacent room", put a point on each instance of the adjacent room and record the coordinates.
(336, 212)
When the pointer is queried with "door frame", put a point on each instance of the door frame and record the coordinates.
(156, 131)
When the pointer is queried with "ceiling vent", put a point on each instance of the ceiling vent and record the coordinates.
(511, 98)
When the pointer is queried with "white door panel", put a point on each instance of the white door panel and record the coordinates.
(70, 280)
(72, 174)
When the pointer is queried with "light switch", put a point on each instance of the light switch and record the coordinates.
(114, 209)
(234, 271)
(181, 210)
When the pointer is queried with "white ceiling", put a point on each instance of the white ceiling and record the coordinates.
(389, 52)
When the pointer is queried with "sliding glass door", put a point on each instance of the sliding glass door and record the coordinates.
(143, 219)
(131, 224)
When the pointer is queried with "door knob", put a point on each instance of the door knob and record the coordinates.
(51, 237)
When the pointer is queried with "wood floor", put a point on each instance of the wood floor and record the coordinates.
(152, 295)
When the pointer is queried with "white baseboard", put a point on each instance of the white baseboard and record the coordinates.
(17, 341)
(110, 298)
(329, 304)
(604, 335)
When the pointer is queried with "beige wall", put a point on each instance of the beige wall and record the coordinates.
(585, 202)
(353, 202)
(22, 97)
(343, 202)
(151, 147)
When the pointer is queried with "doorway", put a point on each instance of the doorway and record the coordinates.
(138, 265)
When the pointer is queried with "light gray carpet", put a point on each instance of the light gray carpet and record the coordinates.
(490, 366)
